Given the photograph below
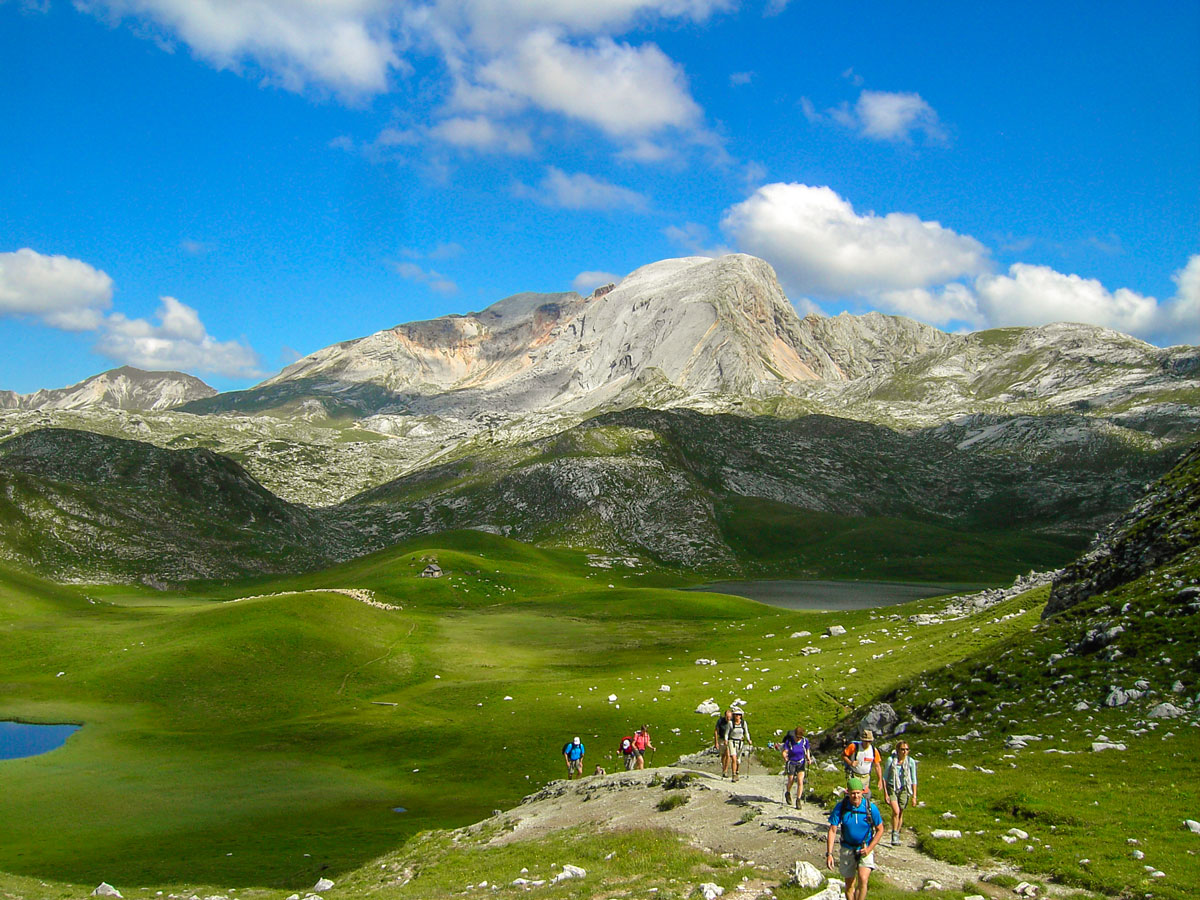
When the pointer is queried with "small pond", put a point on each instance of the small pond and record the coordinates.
(832, 595)
(18, 739)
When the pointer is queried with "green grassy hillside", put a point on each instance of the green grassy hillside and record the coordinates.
(223, 741)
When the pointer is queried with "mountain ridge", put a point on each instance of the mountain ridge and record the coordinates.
(125, 388)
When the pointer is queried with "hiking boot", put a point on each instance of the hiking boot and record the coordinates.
(895, 839)
(787, 798)
(735, 776)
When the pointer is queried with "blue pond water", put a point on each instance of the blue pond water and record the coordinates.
(18, 739)
(831, 595)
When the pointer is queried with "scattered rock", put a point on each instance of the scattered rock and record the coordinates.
(568, 871)
(835, 630)
(945, 833)
(323, 885)
(711, 891)
(708, 708)
(1098, 746)
(104, 889)
(931, 885)
(1192, 825)
(1019, 833)
(1166, 711)
(806, 875)
(800, 634)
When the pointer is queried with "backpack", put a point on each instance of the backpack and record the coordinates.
(627, 745)
(845, 807)
(850, 756)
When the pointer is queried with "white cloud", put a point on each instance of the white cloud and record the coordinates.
(436, 281)
(1038, 295)
(882, 116)
(582, 191)
(586, 282)
(347, 46)
(494, 24)
(953, 303)
(481, 133)
(626, 91)
(179, 341)
(63, 292)
(819, 245)
(894, 117)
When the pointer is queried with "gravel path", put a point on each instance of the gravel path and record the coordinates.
(744, 820)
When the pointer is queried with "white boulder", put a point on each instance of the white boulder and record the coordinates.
(1192, 825)
(104, 889)
(323, 885)
(1098, 746)
(835, 630)
(711, 891)
(945, 833)
(806, 875)
(1166, 711)
(568, 871)
(708, 707)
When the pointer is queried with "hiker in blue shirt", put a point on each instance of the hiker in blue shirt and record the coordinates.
(573, 752)
(861, 827)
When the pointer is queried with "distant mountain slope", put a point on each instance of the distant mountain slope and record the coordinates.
(83, 506)
(123, 388)
(816, 494)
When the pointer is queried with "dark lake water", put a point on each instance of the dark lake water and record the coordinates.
(832, 595)
(18, 739)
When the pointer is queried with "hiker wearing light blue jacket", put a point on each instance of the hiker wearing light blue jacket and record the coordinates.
(900, 786)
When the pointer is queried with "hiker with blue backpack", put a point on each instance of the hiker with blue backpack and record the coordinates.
(860, 826)
(573, 752)
(797, 756)
(900, 786)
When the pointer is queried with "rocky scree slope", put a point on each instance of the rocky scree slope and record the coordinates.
(76, 505)
(123, 388)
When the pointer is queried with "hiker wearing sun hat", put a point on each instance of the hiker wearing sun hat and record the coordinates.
(860, 825)
(860, 757)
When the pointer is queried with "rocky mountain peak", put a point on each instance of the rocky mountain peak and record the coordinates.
(123, 388)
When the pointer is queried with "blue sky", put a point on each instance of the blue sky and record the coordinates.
(218, 186)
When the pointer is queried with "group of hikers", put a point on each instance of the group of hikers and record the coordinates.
(855, 818)
(633, 749)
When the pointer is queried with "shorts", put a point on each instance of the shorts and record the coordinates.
(575, 765)
(735, 747)
(722, 746)
(902, 798)
(794, 768)
(849, 862)
(638, 753)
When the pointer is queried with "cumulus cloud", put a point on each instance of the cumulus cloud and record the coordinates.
(501, 57)
(62, 292)
(586, 282)
(624, 90)
(882, 116)
(179, 340)
(348, 46)
(582, 191)
(1038, 295)
(819, 245)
